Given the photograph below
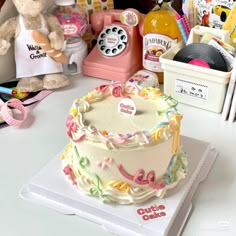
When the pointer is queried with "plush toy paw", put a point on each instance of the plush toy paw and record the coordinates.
(30, 84)
(54, 81)
(56, 40)
(4, 46)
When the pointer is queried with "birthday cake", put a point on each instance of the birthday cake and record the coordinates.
(124, 144)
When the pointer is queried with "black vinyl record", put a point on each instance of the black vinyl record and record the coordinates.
(202, 54)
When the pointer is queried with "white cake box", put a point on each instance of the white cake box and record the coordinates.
(194, 85)
(51, 189)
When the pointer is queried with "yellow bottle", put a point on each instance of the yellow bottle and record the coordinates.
(160, 33)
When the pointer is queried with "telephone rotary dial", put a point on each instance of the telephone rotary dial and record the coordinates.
(112, 40)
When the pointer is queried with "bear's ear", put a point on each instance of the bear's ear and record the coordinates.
(1, 3)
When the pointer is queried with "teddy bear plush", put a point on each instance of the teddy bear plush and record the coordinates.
(35, 69)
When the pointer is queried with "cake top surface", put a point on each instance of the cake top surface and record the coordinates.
(105, 115)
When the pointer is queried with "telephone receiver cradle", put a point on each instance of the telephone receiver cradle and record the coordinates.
(118, 52)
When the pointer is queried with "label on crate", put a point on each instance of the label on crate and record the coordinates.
(192, 89)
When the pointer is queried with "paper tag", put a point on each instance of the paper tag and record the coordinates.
(127, 106)
(192, 89)
(143, 78)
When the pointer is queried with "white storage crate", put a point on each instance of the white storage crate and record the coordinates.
(194, 85)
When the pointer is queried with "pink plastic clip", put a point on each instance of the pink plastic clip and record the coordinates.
(8, 116)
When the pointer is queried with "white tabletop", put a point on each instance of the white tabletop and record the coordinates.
(24, 151)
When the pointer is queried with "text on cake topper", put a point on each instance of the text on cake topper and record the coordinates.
(127, 106)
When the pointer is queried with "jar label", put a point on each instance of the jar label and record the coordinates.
(154, 45)
(74, 25)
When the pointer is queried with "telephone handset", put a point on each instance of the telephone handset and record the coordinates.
(118, 52)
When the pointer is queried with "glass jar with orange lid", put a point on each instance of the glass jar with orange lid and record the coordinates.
(160, 33)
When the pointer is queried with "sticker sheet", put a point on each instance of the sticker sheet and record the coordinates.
(213, 13)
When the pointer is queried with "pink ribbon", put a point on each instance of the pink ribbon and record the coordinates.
(7, 117)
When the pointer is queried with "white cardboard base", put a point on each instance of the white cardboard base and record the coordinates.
(50, 188)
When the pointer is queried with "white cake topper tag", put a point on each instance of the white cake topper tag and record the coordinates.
(127, 106)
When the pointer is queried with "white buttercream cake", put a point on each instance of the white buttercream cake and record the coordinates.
(124, 144)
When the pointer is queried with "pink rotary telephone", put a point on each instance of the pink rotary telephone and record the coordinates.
(118, 52)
